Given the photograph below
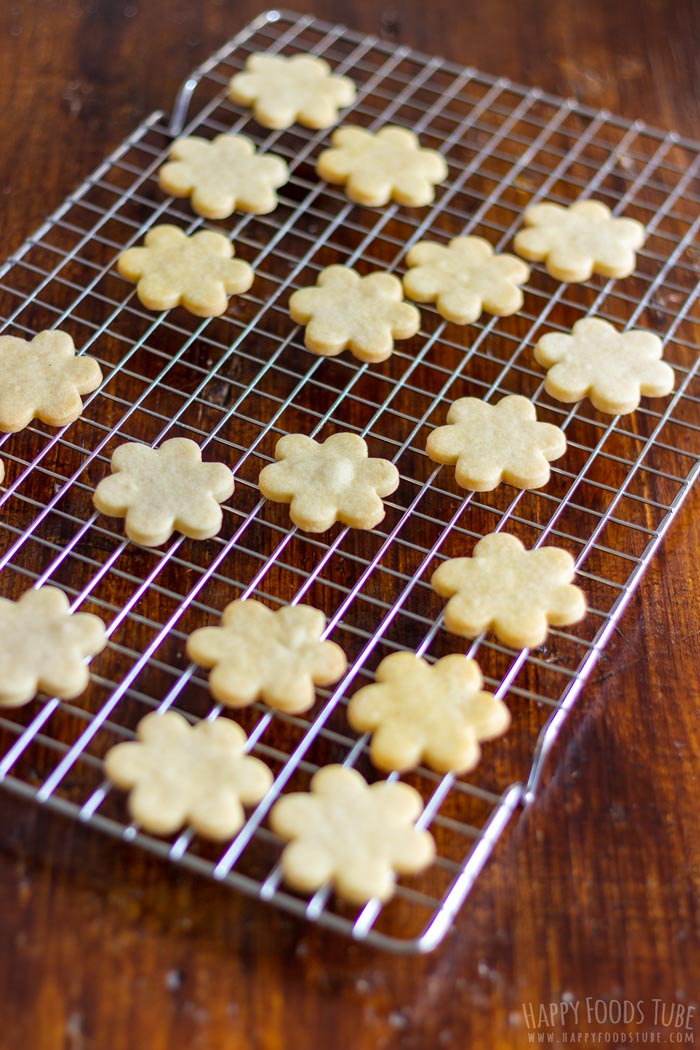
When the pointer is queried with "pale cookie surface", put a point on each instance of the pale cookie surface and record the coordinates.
(282, 90)
(432, 713)
(197, 272)
(580, 240)
(180, 775)
(493, 443)
(355, 835)
(464, 278)
(514, 592)
(329, 481)
(223, 174)
(348, 312)
(43, 647)
(278, 657)
(376, 167)
(614, 369)
(42, 379)
(160, 491)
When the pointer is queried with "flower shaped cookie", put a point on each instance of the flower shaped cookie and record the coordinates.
(509, 590)
(178, 774)
(43, 379)
(613, 368)
(418, 712)
(346, 311)
(260, 654)
(162, 490)
(582, 239)
(465, 278)
(353, 834)
(197, 272)
(376, 167)
(43, 646)
(223, 174)
(329, 481)
(284, 89)
(494, 443)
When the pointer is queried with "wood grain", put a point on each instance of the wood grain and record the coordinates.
(595, 892)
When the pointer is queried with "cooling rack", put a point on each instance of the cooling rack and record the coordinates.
(238, 382)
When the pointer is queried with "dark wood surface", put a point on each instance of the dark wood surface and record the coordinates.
(596, 891)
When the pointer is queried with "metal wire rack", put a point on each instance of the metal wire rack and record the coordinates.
(236, 383)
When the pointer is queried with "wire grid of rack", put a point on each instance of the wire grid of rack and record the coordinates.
(238, 382)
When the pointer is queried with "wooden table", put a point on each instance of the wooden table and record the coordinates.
(596, 891)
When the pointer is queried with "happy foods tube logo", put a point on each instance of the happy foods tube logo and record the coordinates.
(610, 1022)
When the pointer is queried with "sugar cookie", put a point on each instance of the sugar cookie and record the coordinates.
(283, 89)
(174, 269)
(178, 774)
(514, 592)
(43, 646)
(580, 240)
(494, 443)
(346, 311)
(357, 836)
(464, 278)
(614, 369)
(329, 481)
(223, 174)
(160, 491)
(278, 657)
(433, 713)
(376, 167)
(42, 379)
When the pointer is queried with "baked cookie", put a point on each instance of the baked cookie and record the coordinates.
(493, 443)
(178, 775)
(580, 240)
(514, 592)
(43, 647)
(376, 167)
(174, 269)
(283, 89)
(42, 379)
(432, 713)
(348, 312)
(464, 278)
(614, 369)
(355, 835)
(258, 654)
(329, 481)
(223, 174)
(160, 491)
